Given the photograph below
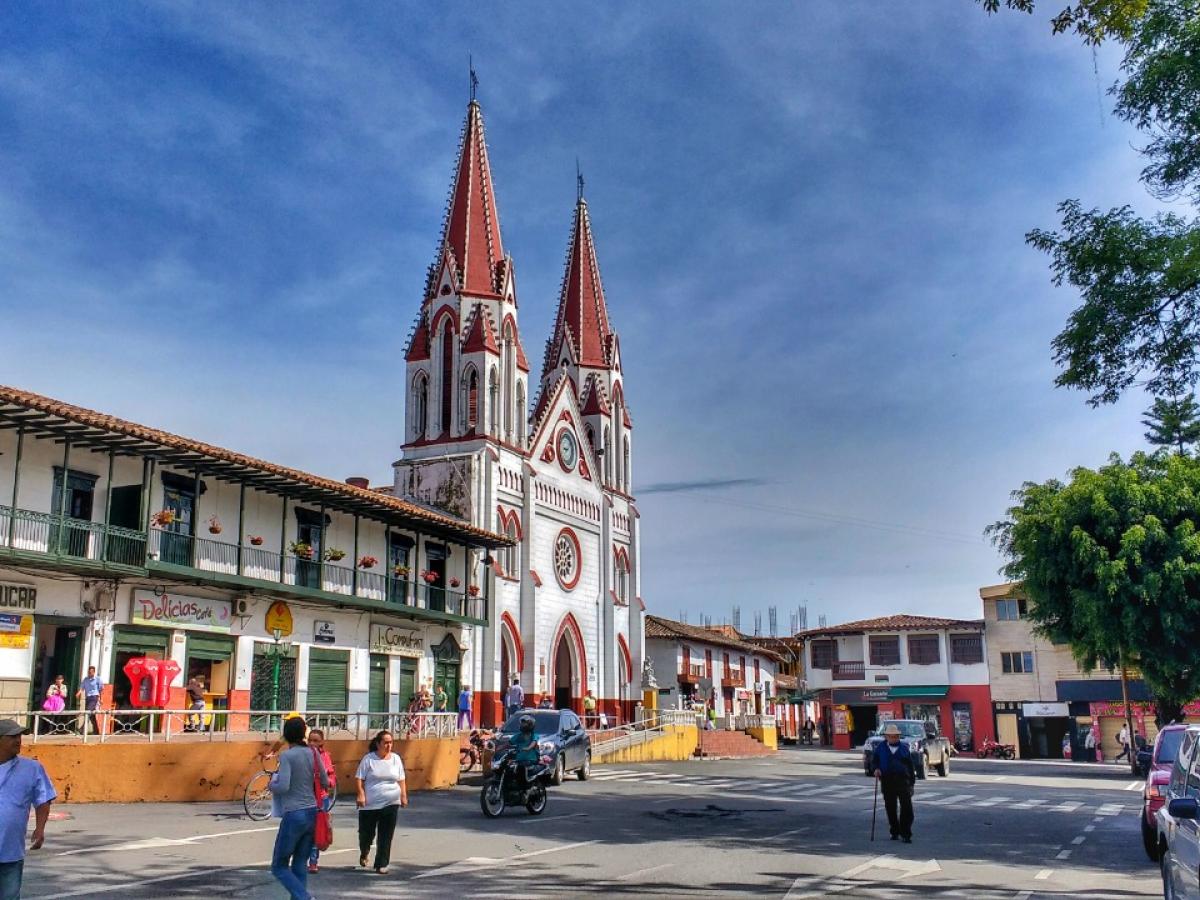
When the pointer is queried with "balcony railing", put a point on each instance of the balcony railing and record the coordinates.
(733, 678)
(62, 536)
(691, 673)
(221, 558)
(849, 671)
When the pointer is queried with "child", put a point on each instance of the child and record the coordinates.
(316, 741)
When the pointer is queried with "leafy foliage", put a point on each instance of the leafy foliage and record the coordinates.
(1111, 564)
(1173, 423)
(1140, 281)
(1093, 20)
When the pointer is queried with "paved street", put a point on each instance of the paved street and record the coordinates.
(794, 826)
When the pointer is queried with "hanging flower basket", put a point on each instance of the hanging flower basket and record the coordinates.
(401, 571)
(367, 562)
(301, 550)
(430, 576)
(454, 582)
(473, 590)
(256, 540)
(333, 554)
(214, 525)
(163, 517)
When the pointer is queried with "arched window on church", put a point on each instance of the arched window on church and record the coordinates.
(608, 455)
(621, 581)
(420, 400)
(447, 375)
(514, 552)
(470, 399)
(520, 414)
(494, 402)
(625, 465)
(510, 379)
(591, 437)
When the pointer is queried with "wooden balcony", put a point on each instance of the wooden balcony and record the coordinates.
(849, 671)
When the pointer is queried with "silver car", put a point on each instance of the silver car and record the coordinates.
(1178, 826)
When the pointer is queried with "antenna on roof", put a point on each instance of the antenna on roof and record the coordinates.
(758, 623)
(474, 79)
(737, 618)
(578, 182)
(772, 621)
(683, 616)
(708, 622)
(821, 622)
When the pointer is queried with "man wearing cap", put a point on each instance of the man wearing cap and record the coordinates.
(24, 785)
(896, 774)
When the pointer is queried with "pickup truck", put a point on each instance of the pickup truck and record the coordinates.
(928, 747)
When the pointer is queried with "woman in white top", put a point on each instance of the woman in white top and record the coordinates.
(381, 793)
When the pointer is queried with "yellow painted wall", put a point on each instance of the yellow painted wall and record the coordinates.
(678, 743)
(768, 737)
(187, 772)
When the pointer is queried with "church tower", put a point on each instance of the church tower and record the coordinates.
(467, 375)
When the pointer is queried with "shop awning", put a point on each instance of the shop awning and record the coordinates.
(918, 690)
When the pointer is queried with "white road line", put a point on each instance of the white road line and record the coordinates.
(531, 819)
(1078, 840)
(1023, 895)
(156, 843)
(1135, 786)
(1043, 875)
(783, 834)
(948, 801)
(992, 801)
(1063, 854)
(1089, 828)
(1110, 809)
(630, 876)
(999, 778)
(482, 862)
(1070, 806)
(1028, 804)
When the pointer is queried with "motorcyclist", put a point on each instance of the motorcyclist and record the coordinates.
(526, 746)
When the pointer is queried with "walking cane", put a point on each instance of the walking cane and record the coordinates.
(874, 806)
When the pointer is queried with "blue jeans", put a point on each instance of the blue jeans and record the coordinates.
(10, 879)
(293, 844)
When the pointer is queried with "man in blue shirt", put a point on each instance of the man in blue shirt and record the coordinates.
(515, 699)
(24, 785)
(896, 774)
(90, 689)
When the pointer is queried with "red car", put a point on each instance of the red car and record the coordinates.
(1154, 794)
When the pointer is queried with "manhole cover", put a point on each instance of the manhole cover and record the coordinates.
(711, 811)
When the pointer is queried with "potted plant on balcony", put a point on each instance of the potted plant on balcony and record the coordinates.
(454, 582)
(163, 517)
(214, 525)
(256, 540)
(429, 576)
(367, 562)
(401, 572)
(473, 590)
(301, 550)
(333, 554)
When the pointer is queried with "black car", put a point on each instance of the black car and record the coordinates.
(928, 747)
(561, 737)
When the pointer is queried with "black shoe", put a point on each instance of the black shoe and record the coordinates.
(908, 839)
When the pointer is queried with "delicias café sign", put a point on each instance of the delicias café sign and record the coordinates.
(179, 610)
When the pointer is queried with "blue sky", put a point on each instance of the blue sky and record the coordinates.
(809, 219)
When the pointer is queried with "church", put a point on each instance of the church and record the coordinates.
(565, 613)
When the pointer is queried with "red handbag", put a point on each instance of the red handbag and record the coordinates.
(323, 832)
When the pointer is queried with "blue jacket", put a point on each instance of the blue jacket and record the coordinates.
(892, 764)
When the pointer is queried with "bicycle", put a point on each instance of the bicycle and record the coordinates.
(257, 800)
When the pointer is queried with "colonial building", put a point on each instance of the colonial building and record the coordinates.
(1040, 695)
(901, 667)
(567, 614)
(284, 589)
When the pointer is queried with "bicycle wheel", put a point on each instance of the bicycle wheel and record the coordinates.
(258, 797)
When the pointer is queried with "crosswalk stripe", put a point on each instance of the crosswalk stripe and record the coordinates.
(1068, 807)
(947, 801)
(1029, 804)
(1110, 809)
(992, 801)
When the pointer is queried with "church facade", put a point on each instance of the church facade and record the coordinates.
(565, 613)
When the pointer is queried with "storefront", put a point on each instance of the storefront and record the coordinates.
(960, 712)
(403, 648)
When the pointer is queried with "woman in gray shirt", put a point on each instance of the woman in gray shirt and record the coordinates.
(293, 789)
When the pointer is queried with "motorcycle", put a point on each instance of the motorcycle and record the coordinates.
(512, 784)
(469, 755)
(996, 750)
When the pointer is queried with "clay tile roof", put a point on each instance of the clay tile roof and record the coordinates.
(105, 430)
(669, 629)
(901, 622)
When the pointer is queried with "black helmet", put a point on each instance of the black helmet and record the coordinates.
(527, 723)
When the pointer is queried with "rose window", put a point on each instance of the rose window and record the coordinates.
(566, 559)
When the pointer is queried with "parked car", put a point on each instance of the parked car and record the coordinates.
(562, 737)
(928, 747)
(1159, 762)
(1178, 834)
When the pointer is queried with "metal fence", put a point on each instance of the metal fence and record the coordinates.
(164, 725)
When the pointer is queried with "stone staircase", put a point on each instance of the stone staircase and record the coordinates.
(729, 745)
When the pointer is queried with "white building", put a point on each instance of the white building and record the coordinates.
(567, 614)
(119, 541)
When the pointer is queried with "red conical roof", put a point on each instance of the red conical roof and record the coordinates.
(582, 313)
(481, 337)
(472, 223)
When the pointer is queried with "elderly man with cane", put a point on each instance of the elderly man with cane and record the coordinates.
(896, 774)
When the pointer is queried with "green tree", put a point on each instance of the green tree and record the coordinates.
(1173, 423)
(1111, 564)
(1093, 20)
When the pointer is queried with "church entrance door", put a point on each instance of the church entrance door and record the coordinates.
(563, 674)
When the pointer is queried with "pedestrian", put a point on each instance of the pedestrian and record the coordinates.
(546, 702)
(1123, 740)
(294, 787)
(24, 785)
(195, 692)
(515, 699)
(90, 689)
(381, 793)
(441, 701)
(809, 728)
(316, 742)
(896, 774)
(589, 709)
(1089, 744)
(464, 708)
(55, 702)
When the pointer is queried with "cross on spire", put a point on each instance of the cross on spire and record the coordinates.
(578, 182)
(474, 78)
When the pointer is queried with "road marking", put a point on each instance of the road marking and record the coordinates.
(1024, 895)
(947, 801)
(842, 882)
(159, 842)
(630, 876)
(478, 862)
(1134, 786)
(1066, 807)
(1063, 854)
(993, 801)
(783, 834)
(1089, 828)
(1028, 804)
(1078, 840)
(1110, 809)
(999, 778)
(1043, 875)
(530, 819)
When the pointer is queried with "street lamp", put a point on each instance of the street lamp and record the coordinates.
(275, 653)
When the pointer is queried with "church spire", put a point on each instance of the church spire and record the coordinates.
(472, 232)
(582, 321)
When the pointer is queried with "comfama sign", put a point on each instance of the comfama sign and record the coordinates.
(17, 596)
(181, 611)
(396, 641)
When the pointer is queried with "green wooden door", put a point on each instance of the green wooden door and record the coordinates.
(377, 695)
(447, 674)
(328, 681)
(407, 688)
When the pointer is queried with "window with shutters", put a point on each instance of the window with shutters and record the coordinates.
(1016, 663)
(966, 649)
(923, 649)
(885, 650)
(822, 654)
